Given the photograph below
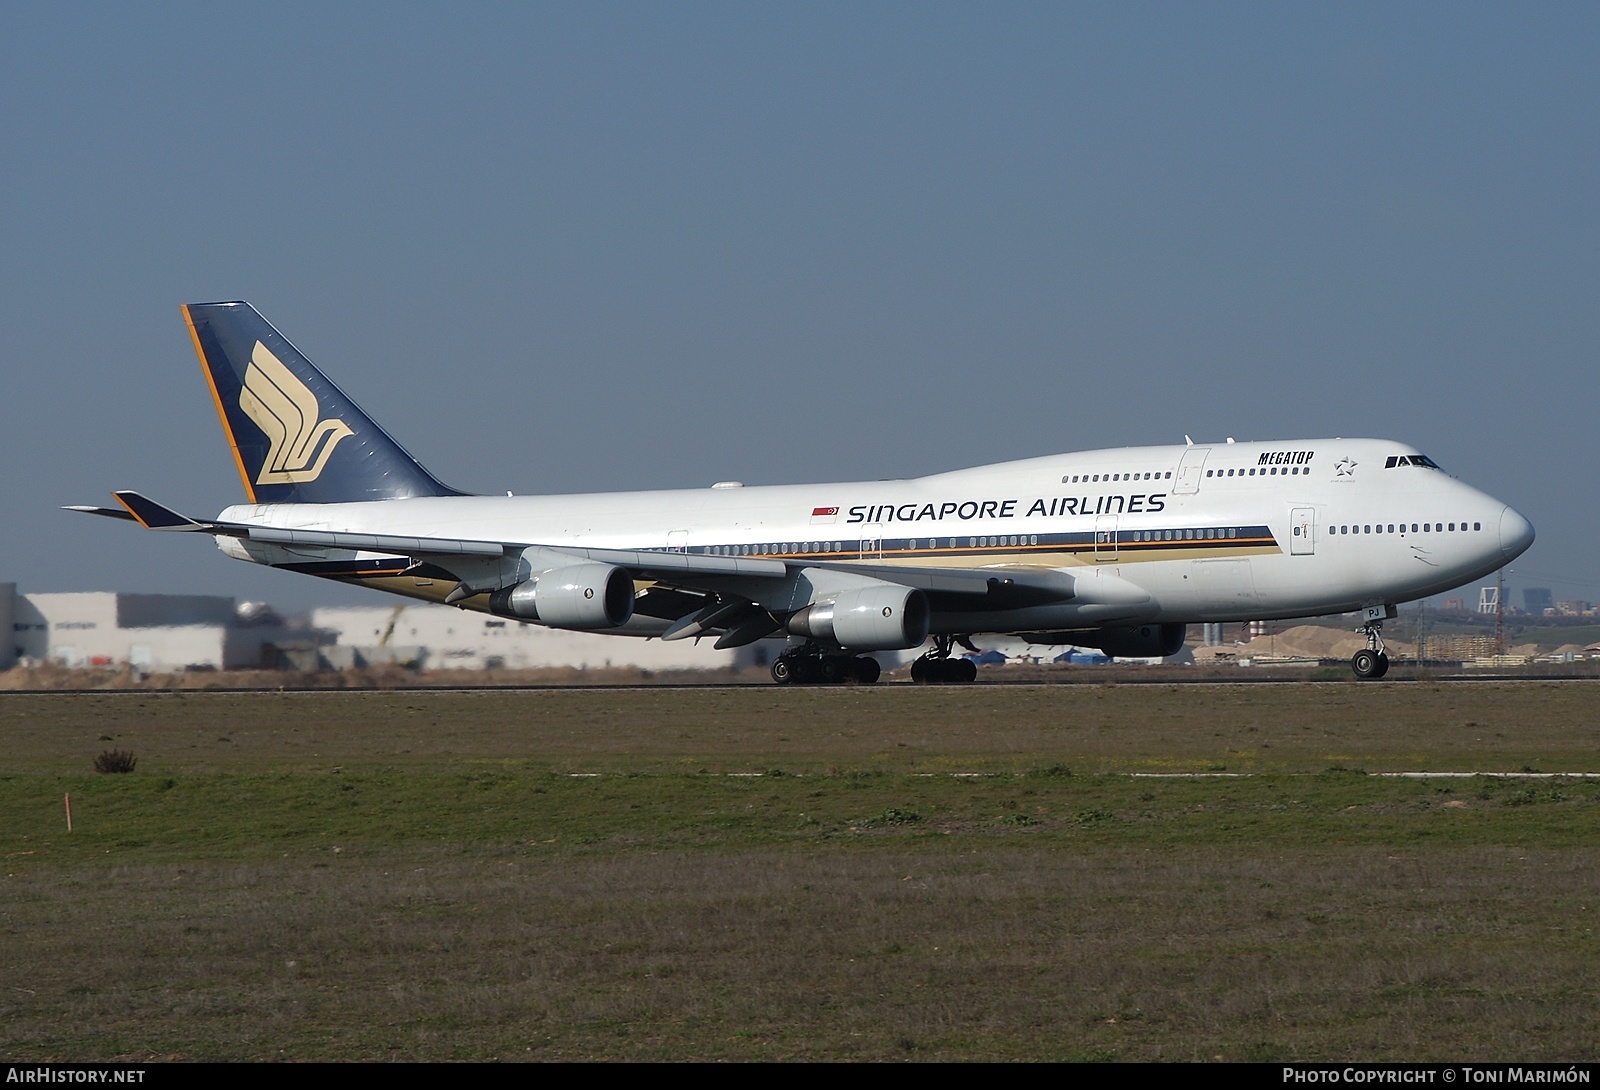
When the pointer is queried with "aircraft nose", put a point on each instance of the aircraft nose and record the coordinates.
(1516, 534)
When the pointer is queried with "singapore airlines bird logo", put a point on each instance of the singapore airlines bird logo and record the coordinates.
(285, 409)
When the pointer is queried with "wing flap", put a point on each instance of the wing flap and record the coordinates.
(377, 543)
(665, 565)
(1022, 585)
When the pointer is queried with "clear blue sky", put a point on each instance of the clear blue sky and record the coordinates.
(586, 247)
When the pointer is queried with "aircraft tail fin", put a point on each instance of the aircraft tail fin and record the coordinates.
(296, 437)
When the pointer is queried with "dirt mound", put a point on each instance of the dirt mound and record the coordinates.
(1307, 641)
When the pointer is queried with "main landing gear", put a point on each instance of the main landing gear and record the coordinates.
(938, 668)
(810, 667)
(1372, 662)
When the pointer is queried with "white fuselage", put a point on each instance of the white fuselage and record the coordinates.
(1226, 532)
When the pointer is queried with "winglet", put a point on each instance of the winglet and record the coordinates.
(152, 516)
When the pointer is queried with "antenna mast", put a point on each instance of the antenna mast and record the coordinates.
(1500, 612)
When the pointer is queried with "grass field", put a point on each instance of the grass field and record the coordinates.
(976, 873)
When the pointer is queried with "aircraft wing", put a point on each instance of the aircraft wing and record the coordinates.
(478, 563)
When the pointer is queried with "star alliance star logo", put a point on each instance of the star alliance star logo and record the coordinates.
(1345, 467)
(286, 411)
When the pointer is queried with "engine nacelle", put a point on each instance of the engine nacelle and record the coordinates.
(582, 596)
(1146, 641)
(880, 618)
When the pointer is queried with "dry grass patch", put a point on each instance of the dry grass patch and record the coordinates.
(937, 954)
(423, 876)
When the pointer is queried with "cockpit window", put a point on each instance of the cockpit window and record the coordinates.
(1409, 460)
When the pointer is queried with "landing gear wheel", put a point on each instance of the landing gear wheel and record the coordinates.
(944, 671)
(1372, 663)
(938, 668)
(807, 667)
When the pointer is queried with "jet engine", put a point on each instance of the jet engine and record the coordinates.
(581, 596)
(877, 618)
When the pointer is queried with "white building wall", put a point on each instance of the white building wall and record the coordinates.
(462, 640)
(86, 630)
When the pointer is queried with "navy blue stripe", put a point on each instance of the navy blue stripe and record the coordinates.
(1245, 537)
(1082, 541)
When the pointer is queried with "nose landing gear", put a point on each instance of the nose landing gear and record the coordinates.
(1372, 662)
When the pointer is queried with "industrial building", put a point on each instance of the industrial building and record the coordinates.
(150, 632)
(440, 638)
(162, 633)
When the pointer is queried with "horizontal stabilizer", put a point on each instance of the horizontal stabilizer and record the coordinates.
(108, 512)
(152, 516)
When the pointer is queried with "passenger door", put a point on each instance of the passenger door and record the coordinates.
(1105, 538)
(1190, 469)
(1302, 531)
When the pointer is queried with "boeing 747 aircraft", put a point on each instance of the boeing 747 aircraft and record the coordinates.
(1115, 549)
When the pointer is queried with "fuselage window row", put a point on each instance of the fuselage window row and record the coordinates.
(1101, 478)
(1427, 528)
(1096, 478)
(1270, 470)
(1104, 537)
